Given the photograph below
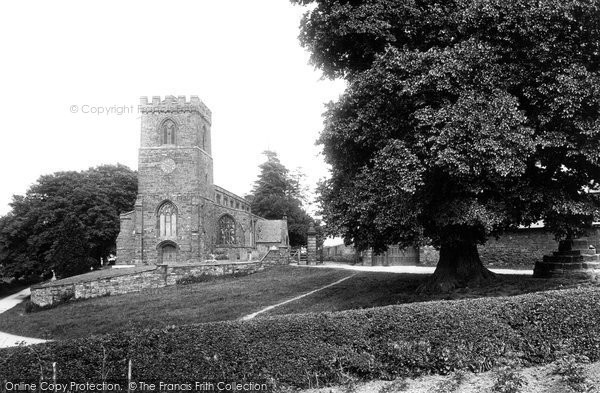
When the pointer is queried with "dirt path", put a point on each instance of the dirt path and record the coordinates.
(10, 340)
(250, 316)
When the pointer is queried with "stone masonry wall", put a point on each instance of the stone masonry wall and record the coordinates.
(280, 256)
(521, 248)
(122, 281)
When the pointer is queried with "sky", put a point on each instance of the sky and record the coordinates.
(66, 62)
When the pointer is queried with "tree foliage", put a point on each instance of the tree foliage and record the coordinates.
(278, 193)
(461, 119)
(65, 221)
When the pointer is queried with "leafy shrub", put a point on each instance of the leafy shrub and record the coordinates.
(66, 296)
(31, 306)
(387, 342)
(508, 381)
(570, 368)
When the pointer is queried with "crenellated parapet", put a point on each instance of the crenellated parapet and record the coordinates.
(175, 104)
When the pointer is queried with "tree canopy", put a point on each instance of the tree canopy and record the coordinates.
(462, 119)
(278, 193)
(65, 222)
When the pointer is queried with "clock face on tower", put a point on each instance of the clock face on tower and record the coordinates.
(167, 165)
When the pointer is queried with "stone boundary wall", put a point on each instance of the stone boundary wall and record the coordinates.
(521, 248)
(277, 257)
(136, 280)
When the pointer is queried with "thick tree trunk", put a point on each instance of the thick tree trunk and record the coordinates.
(459, 266)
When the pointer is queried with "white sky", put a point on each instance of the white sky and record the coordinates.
(242, 58)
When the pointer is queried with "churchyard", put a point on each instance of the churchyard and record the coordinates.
(467, 130)
(371, 327)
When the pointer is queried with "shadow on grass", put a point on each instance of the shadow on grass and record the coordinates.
(7, 289)
(374, 289)
(209, 301)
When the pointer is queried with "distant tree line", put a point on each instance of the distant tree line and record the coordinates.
(66, 222)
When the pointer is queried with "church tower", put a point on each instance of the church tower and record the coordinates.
(175, 183)
(180, 215)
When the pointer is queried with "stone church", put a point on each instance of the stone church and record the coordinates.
(180, 215)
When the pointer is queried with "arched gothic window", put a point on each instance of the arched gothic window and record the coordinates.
(226, 230)
(168, 132)
(167, 220)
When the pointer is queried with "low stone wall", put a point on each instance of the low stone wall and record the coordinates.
(176, 273)
(121, 281)
(521, 248)
(280, 256)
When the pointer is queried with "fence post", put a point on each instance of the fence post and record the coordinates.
(54, 374)
(129, 377)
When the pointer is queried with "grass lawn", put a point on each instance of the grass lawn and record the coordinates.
(217, 300)
(374, 289)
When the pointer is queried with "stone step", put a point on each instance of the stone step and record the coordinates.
(563, 258)
(550, 267)
(543, 272)
(587, 251)
(580, 242)
(591, 265)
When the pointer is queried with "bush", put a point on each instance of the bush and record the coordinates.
(297, 350)
(31, 306)
(570, 368)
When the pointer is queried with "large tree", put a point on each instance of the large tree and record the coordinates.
(64, 221)
(462, 119)
(278, 193)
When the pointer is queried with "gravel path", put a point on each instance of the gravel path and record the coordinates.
(10, 340)
(405, 269)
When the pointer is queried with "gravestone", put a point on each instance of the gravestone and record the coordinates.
(574, 258)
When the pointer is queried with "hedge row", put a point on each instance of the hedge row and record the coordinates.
(298, 350)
